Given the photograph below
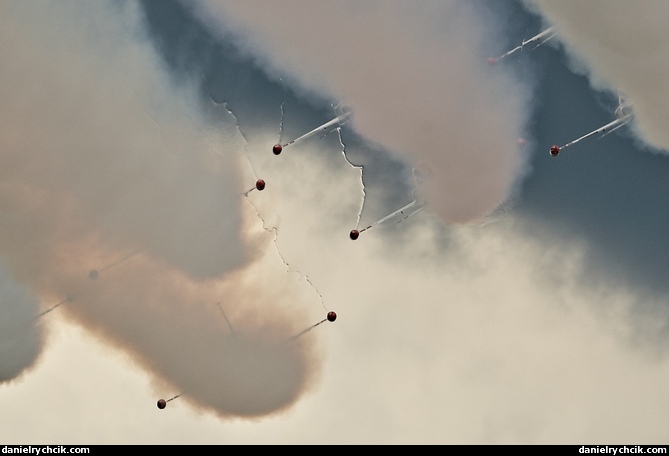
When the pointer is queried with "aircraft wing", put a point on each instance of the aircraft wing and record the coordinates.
(604, 129)
(541, 38)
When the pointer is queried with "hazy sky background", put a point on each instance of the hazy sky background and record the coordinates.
(526, 303)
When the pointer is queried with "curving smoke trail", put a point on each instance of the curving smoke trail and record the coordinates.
(496, 334)
(103, 154)
(414, 75)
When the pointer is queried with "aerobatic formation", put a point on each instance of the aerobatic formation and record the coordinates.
(623, 111)
(623, 116)
(342, 116)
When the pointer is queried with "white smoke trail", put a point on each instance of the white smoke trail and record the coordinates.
(104, 154)
(415, 75)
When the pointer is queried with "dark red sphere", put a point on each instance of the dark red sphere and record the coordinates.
(332, 316)
(354, 234)
(277, 149)
(260, 184)
(161, 404)
(555, 150)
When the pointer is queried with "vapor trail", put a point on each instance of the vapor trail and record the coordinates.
(110, 154)
(425, 98)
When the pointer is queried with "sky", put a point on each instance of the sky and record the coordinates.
(524, 302)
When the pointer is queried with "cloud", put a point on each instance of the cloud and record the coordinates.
(121, 192)
(416, 78)
(622, 46)
(446, 333)
(20, 337)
